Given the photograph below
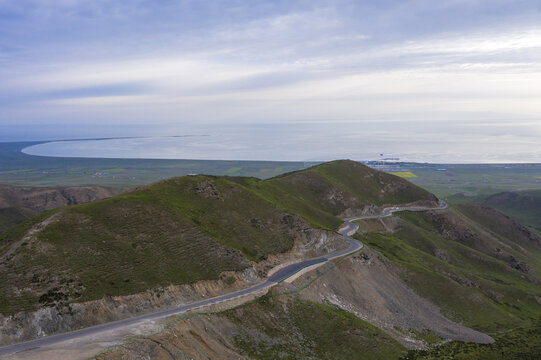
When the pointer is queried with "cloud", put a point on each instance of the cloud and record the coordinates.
(224, 62)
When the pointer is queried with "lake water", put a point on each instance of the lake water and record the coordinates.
(309, 142)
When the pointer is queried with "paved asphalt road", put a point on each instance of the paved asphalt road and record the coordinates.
(277, 277)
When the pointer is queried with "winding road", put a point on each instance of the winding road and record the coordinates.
(346, 231)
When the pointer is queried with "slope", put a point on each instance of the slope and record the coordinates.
(525, 206)
(179, 231)
(481, 275)
(446, 256)
(324, 193)
(477, 265)
(20, 203)
(11, 216)
(269, 328)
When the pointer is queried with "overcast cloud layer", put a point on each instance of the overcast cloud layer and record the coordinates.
(444, 80)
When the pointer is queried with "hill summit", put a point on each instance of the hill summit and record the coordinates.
(181, 230)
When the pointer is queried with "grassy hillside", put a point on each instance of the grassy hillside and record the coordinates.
(482, 274)
(178, 231)
(323, 192)
(479, 266)
(518, 344)
(11, 216)
(18, 203)
(450, 257)
(274, 328)
(525, 206)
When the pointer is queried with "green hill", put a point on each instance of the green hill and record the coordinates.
(20, 203)
(524, 206)
(11, 216)
(479, 266)
(179, 231)
(323, 192)
(299, 329)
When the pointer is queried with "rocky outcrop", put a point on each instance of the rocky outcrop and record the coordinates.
(50, 320)
(362, 211)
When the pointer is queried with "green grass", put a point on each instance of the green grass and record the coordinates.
(15, 171)
(471, 285)
(137, 256)
(115, 170)
(252, 224)
(427, 336)
(323, 192)
(180, 231)
(298, 329)
(11, 216)
(525, 206)
(518, 344)
(473, 181)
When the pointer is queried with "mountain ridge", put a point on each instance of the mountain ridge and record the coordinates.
(227, 232)
(237, 220)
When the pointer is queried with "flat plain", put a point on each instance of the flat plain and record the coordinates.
(19, 169)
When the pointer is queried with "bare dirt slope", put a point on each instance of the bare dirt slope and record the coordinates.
(370, 287)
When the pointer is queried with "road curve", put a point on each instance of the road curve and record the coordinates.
(277, 277)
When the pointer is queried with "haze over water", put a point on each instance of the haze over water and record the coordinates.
(422, 80)
(310, 142)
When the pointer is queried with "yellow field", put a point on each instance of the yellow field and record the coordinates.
(404, 174)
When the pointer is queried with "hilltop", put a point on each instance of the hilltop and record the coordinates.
(180, 231)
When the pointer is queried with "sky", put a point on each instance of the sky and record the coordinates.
(424, 80)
